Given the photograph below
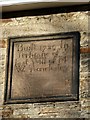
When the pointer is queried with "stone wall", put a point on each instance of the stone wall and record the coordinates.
(35, 25)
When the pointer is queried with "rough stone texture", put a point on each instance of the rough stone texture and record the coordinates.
(63, 22)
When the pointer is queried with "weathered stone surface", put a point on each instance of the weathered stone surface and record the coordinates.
(34, 25)
(43, 68)
(65, 22)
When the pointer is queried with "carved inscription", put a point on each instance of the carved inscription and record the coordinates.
(41, 58)
(42, 68)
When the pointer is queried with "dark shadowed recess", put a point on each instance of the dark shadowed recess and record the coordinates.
(45, 119)
(45, 11)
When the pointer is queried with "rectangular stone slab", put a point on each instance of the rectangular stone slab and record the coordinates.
(43, 68)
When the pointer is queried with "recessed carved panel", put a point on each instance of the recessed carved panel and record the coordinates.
(42, 68)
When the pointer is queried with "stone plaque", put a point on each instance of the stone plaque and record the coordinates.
(42, 68)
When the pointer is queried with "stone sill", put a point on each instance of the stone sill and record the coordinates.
(6, 6)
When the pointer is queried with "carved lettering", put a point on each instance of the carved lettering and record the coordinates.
(42, 68)
(41, 57)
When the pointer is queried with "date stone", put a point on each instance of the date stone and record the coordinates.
(43, 68)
